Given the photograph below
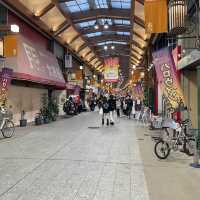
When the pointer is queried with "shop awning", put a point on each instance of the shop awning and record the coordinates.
(35, 64)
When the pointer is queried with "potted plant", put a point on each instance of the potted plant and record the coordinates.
(45, 109)
(38, 119)
(53, 109)
(23, 121)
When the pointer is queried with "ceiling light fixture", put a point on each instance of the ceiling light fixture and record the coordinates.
(14, 28)
(112, 47)
(96, 26)
(105, 47)
(106, 25)
(142, 74)
(134, 67)
(81, 67)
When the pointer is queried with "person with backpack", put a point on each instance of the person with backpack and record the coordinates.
(112, 108)
(105, 107)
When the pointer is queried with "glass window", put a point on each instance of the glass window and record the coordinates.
(111, 42)
(123, 33)
(122, 21)
(77, 5)
(101, 4)
(94, 34)
(124, 4)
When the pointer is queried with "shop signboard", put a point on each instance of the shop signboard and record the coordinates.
(35, 64)
(68, 61)
(5, 80)
(111, 72)
(138, 91)
(167, 77)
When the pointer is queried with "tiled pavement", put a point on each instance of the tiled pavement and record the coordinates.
(66, 160)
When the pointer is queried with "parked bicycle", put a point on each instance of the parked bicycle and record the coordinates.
(6, 125)
(176, 139)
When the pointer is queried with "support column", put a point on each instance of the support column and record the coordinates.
(198, 100)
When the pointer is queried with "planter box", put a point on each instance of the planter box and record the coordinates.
(23, 122)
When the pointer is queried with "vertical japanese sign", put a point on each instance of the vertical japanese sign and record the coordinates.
(5, 80)
(167, 77)
(111, 72)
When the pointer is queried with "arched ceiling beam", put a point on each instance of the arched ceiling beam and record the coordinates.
(45, 10)
(67, 16)
(74, 39)
(88, 53)
(103, 38)
(91, 59)
(63, 1)
(62, 28)
(117, 54)
(82, 47)
(138, 21)
(122, 45)
(124, 28)
(140, 1)
(113, 51)
(137, 45)
(117, 47)
(116, 13)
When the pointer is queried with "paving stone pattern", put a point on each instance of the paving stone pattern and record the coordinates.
(66, 160)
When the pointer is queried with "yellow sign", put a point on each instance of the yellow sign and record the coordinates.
(156, 16)
(111, 72)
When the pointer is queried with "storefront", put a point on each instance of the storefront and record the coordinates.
(188, 65)
(35, 71)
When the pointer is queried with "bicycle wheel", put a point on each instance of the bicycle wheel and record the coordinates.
(190, 147)
(161, 149)
(8, 129)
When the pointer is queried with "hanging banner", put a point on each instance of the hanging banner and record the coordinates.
(153, 23)
(138, 91)
(167, 77)
(111, 72)
(5, 80)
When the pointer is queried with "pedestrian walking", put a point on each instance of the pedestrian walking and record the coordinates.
(105, 107)
(112, 108)
(129, 103)
(118, 107)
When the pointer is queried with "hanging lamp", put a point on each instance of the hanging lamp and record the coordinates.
(106, 25)
(177, 16)
(96, 25)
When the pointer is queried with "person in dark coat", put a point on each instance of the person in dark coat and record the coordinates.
(129, 103)
(106, 110)
(112, 108)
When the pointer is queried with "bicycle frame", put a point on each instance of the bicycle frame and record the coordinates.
(3, 122)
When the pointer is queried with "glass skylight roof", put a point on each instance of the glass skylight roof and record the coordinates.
(124, 4)
(94, 34)
(101, 4)
(77, 5)
(122, 21)
(123, 33)
(111, 42)
(84, 5)
(87, 24)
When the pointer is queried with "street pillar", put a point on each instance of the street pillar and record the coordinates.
(198, 100)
